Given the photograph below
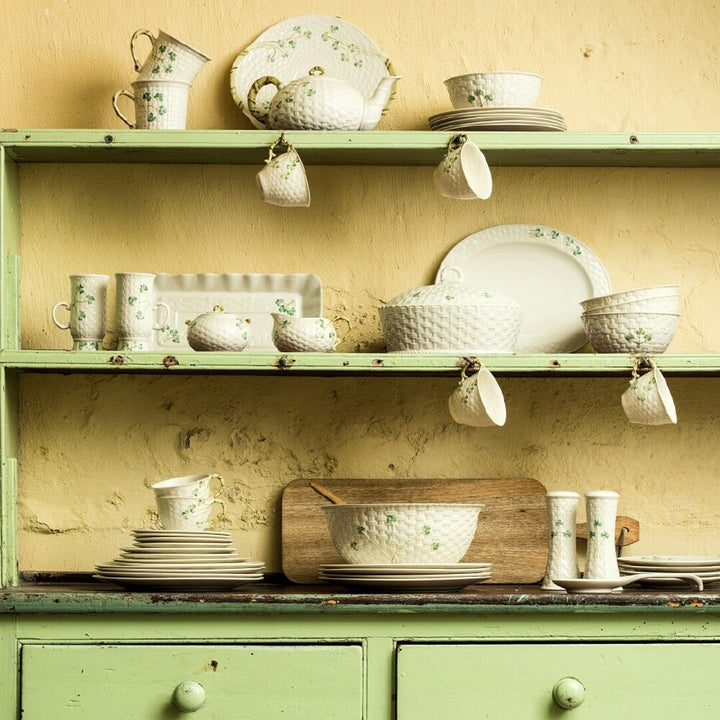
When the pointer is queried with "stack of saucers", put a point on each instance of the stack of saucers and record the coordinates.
(451, 576)
(707, 568)
(499, 118)
(180, 560)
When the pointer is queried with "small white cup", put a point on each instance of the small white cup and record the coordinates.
(478, 400)
(88, 295)
(283, 180)
(169, 58)
(463, 174)
(197, 486)
(306, 334)
(159, 104)
(136, 309)
(188, 513)
(648, 400)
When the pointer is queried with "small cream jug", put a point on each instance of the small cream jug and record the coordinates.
(319, 102)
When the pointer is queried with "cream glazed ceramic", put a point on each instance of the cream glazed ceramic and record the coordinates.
(136, 306)
(187, 513)
(198, 486)
(648, 400)
(218, 330)
(601, 511)
(319, 102)
(159, 104)
(306, 334)
(478, 400)
(463, 174)
(494, 89)
(169, 58)
(87, 311)
(283, 180)
(562, 551)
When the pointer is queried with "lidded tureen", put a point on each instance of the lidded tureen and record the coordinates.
(218, 330)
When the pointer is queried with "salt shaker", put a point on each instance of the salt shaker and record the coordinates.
(601, 510)
(562, 550)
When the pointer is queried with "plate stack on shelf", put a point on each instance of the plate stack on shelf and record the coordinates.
(707, 568)
(452, 576)
(499, 118)
(182, 561)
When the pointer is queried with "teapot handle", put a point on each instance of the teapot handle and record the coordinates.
(255, 88)
(135, 36)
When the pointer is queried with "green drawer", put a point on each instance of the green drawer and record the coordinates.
(138, 682)
(515, 681)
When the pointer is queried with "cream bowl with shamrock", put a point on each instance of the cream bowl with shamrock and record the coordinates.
(402, 533)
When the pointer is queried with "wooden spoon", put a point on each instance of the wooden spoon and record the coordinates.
(327, 494)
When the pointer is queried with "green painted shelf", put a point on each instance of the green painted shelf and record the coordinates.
(414, 147)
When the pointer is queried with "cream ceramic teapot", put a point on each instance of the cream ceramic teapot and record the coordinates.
(319, 102)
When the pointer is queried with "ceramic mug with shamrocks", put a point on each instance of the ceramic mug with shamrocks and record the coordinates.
(88, 295)
(136, 310)
(159, 104)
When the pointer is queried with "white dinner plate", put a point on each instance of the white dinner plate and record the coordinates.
(219, 582)
(395, 570)
(697, 569)
(253, 296)
(663, 560)
(410, 582)
(180, 548)
(291, 48)
(203, 536)
(198, 557)
(546, 270)
(601, 585)
(122, 566)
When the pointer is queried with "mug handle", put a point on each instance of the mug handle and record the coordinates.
(160, 304)
(136, 35)
(217, 477)
(220, 516)
(62, 326)
(340, 318)
(115, 97)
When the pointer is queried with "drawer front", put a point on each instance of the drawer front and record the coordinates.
(515, 682)
(139, 681)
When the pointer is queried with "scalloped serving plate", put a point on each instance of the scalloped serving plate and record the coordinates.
(546, 270)
(291, 48)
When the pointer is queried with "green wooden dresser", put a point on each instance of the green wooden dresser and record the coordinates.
(75, 649)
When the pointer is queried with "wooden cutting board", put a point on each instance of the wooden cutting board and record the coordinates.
(511, 534)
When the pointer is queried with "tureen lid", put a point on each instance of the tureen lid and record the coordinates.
(453, 294)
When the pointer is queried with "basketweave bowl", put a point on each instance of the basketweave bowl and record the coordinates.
(451, 317)
(402, 533)
(635, 333)
(502, 88)
(636, 295)
(664, 304)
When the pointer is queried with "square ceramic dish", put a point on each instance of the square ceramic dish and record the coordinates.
(253, 295)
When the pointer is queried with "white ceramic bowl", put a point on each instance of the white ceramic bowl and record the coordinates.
(644, 293)
(451, 317)
(402, 533)
(664, 304)
(634, 333)
(494, 89)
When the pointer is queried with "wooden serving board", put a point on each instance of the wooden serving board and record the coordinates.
(512, 528)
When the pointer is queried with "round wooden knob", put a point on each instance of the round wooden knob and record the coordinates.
(568, 693)
(189, 696)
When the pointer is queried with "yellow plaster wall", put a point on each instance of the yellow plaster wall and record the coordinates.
(91, 445)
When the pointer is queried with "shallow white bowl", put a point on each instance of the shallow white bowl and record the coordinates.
(402, 533)
(644, 293)
(502, 88)
(635, 333)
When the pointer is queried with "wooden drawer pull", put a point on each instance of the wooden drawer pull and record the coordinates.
(189, 696)
(568, 693)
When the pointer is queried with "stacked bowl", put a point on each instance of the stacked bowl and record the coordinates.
(637, 321)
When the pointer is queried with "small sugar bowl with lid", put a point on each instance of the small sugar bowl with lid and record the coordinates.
(218, 330)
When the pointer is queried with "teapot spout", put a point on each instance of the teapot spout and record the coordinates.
(376, 103)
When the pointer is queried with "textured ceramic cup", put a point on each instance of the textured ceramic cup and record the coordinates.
(136, 310)
(283, 180)
(188, 513)
(500, 88)
(463, 174)
(87, 307)
(169, 58)
(306, 334)
(159, 104)
(197, 486)
(478, 400)
(648, 400)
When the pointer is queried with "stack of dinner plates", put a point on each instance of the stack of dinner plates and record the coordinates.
(707, 568)
(499, 118)
(178, 560)
(453, 576)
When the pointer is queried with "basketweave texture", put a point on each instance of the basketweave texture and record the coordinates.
(171, 59)
(665, 304)
(402, 533)
(636, 295)
(449, 317)
(494, 89)
(160, 105)
(647, 333)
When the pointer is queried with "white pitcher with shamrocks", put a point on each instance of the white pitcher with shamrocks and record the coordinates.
(137, 310)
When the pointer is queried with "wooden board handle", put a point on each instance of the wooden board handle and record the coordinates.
(632, 534)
